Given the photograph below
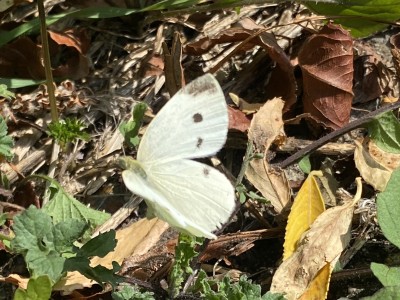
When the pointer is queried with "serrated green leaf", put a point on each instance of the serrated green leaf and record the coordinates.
(132, 293)
(32, 228)
(388, 276)
(6, 142)
(227, 290)
(100, 246)
(361, 17)
(184, 253)
(34, 239)
(38, 289)
(388, 209)
(62, 206)
(67, 131)
(273, 296)
(385, 131)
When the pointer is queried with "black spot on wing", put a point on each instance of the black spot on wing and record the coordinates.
(206, 172)
(197, 117)
(199, 142)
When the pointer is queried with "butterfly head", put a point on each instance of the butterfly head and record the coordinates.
(128, 163)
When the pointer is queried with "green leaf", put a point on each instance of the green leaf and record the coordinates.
(16, 83)
(226, 290)
(130, 129)
(98, 273)
(38, 289)
(273, 296)
(67, 131)
(67, 232)
(388, 276)
(100, 246)
(391, 292)
(92, 12)
(6, 142)
(305, 164)
(385, 131)
(3, 218)
(62, 206)
(132, 293)
(34, 239)
(184, 253)
(5, 93)
(388, 209)
(41, 243)
(361, 17)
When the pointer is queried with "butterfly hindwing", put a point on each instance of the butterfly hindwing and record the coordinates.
(202, 197)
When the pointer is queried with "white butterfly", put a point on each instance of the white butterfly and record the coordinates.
(189, 195)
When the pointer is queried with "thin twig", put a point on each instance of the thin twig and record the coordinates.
(335, 134)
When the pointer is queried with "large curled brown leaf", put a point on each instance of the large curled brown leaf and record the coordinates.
(326, 60)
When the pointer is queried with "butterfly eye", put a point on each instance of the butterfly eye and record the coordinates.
(197, 118)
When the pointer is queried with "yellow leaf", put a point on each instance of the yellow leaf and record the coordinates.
(318, 288)
(307, 206)
(323, 243)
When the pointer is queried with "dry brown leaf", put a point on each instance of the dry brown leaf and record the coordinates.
(322, 244)
(266, 126)
(237, 120)
(135, 239)
(395, 42)
(386, 159)
(173, 70)
(234, 244)
(372, 76)
(16, 279)
(273, 185)
(76, 64)
(374, 173)
(326, 61)
(21, 59)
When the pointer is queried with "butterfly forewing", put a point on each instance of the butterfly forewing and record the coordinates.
(193, 124)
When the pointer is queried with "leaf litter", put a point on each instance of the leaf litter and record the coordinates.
(113, 64)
